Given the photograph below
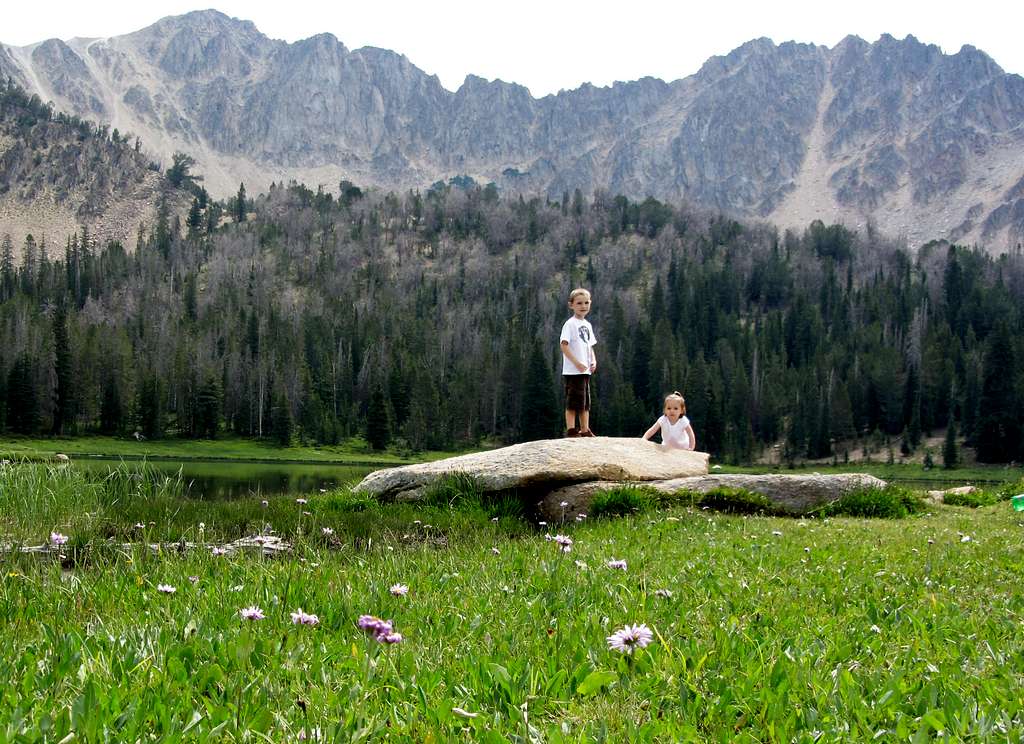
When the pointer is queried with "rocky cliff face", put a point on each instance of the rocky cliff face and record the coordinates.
(895, 133)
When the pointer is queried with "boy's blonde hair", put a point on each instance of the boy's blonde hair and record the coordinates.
(577, 292)
(676, 395)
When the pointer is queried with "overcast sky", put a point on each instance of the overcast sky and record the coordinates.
(551, 45)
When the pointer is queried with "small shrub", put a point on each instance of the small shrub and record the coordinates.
(454, 489)
(1009, 490)
(506, 504)
(736, 501)
(891, 502)
(973, 499)
(622, 500)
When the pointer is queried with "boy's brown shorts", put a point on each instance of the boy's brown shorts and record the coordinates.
(577, 392)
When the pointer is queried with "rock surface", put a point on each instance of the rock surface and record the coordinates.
(939, 496)
(796, 494)
(543, 465)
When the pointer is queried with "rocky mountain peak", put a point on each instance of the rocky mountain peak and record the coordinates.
(893, 132)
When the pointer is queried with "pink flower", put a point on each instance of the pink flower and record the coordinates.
(165, 589)
(218, 551)
(194, 579)
(58, 539)
(631, 637)
(301, 618)
(252, 613)
(617, 563)
(399, 590)
(564, 543)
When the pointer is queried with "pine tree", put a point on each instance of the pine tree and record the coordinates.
(208, 408)
(111, 408)
(240, 209)
(64, 409)
(378, 431)
(540, 417)
(150, 407)
(950, 453)
(22, 401)
(281, 419)
(7, 275)
(998, 427)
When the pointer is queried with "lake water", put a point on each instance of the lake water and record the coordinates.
(206, 479)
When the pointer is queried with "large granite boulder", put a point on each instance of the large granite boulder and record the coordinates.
(794, 494)
(543, 466)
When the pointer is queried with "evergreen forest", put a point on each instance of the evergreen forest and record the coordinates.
(430, 320)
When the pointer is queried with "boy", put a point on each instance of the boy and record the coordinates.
(578, 363)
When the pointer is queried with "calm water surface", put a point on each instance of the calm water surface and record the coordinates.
(230, 480)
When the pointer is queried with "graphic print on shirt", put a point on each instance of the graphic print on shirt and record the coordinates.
(584, 334)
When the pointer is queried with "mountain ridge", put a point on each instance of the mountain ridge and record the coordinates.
(894, 133)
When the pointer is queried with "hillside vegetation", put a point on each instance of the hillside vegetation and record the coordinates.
(435, 316)
(60, 174)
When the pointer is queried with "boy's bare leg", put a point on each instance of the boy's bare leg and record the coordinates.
(584, 420)
(570, 419)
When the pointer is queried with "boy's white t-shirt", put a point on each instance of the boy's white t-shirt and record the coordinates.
(675, 435)
(580, 335)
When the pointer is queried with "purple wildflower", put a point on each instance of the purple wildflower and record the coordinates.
(631, 637)
(165, 589)
(301, 618)
(327, 531)
(252, 613)
(564, 543)
(383, 631)
(399, 590)
(58, 539)
(374, 625)
(218, 551)
(617, 563)
(301, 501)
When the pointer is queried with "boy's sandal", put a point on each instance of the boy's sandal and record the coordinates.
(587, 433)
(572, 433)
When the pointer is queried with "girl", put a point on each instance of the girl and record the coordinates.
(676, 432)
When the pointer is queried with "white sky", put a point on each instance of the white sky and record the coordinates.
(556, 44)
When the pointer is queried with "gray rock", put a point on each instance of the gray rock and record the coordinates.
(900, 122)
(543, 465)
(795, 494)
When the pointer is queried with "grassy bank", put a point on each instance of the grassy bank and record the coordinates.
(763, 629)
(233, 448)
(980, 474)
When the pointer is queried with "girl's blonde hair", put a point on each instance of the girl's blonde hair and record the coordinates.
(676, 395)
(577, 292)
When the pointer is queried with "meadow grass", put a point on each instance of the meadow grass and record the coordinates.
(224, 448)
(765, 628)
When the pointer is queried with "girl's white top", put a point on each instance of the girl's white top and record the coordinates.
(675, 435)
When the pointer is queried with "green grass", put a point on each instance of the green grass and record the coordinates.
(232, 448)
(837, 629)
(973, 474)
